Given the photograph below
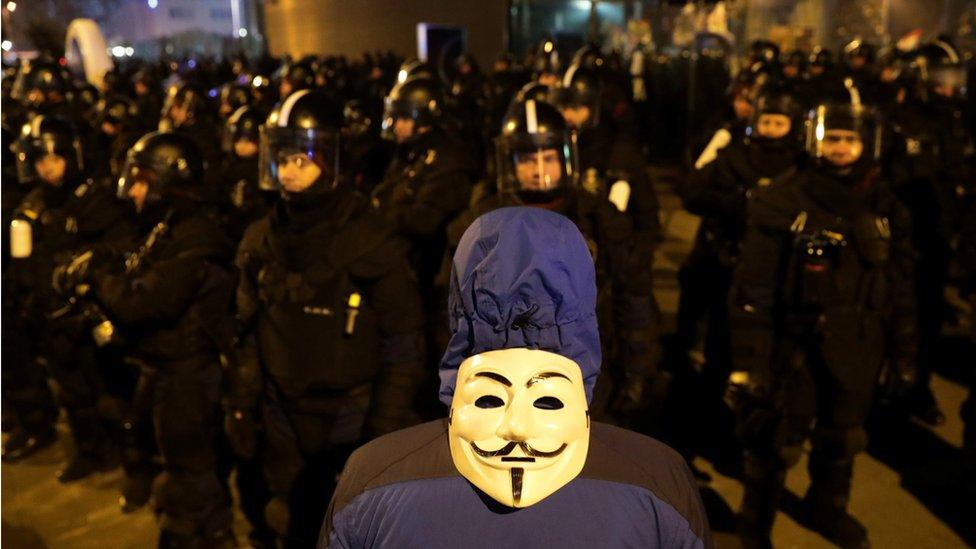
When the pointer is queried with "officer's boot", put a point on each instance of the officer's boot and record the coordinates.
(93, 450)
(29, 435)
(826, 502)
(137, 462)
(763, 482)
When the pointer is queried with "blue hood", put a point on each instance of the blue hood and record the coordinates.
(522, 277)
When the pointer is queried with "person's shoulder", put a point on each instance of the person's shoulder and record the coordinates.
(625, 457)
(416, 453)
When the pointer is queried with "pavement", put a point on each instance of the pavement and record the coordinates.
(913, 488)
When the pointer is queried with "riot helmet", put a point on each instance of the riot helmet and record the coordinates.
(418, 99)
(763, 52)
(160, 169)
(532, 90)
(536, 156)
(301, 145)
(85, 100)
(859, 55)
(185, 103)
(775, 117)
(547, 64)
(40, 83)
(414, 68)
(940, 72)
(795, 64)
(49, 151)
(232, 96)
(116, 114)
(843, 131)
(359, 120)
(578, 97)
(821, 61)
(243, 125)
(296, 76)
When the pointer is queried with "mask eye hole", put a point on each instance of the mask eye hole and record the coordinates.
(548, 403)
(489, 401)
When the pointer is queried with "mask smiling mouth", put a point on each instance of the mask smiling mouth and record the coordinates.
(508, 448)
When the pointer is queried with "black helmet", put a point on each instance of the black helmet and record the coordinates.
(185, 95)
(233, 96)
(359, 119)
(774, 100)
(39, 82)
(534, 146)
(580, 87)
(532, 90)
(244, 123)
(797, 59)
(859, 48)
(414, 68)
(843, 109)
(170, 163)
(763, 51)
(118, 109)
(46, 135)
(296, 76)
(307, 123)
(590, 57)
(939, 66)
(547, 60)
(85, 100)
(417, 98)
(821, 57)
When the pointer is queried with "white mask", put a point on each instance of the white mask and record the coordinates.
(519, 425)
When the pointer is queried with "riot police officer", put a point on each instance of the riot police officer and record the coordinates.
(170, 300)
(538, 165)
(241, 199)
(65, 212)
(930, 159)
(332, 350)
(821, 298)
(296, 76)
(611, 162)
(769, 151)
(186, 111)
(429, 180)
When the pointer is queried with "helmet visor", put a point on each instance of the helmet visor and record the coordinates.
(536, 167)
(295, 156)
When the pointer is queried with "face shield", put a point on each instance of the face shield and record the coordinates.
(293, 159)
(400, 109)
(843, 135)
(536, 167)
(38, 158)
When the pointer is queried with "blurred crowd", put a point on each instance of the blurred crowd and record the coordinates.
(242, 266)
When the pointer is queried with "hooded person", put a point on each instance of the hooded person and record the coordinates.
(518, 457)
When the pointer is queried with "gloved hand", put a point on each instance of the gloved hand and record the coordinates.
(897, 378)
(241, 428)
(745, 387)
(71, 277)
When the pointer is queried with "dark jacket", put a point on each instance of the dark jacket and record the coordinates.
(403, 490)
(828, 257)
(330, 305)
(170, 305)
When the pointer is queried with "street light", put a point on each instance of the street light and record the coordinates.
(152, 4)
(11, 6)
(7, 45)
(242, 32)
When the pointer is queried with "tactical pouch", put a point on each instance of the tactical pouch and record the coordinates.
(872, 236)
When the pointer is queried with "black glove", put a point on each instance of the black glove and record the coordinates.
(897, 378)
(745, 389)
(241, 429)
(71, 277)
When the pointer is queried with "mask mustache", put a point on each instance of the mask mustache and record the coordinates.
(508, 448)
